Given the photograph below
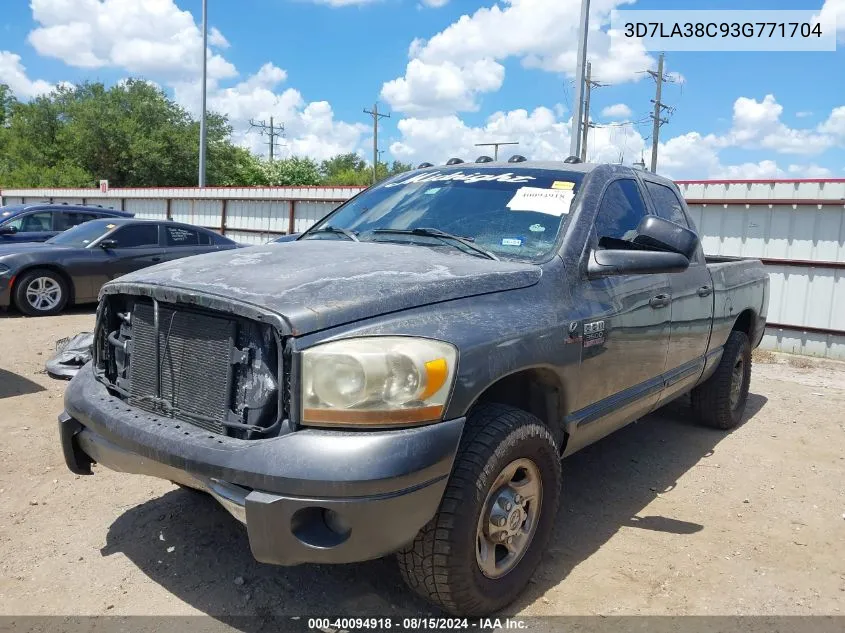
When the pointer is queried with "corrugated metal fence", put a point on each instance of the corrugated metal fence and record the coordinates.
(250, 215)
(797, 227)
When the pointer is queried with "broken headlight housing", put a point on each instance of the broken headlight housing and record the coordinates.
(380, 381)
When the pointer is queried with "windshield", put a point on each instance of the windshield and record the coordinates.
(83, 234)
(512, 213)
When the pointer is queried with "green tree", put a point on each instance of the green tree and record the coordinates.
(294, 171)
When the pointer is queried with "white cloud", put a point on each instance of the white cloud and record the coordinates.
(153, 37)
(834, 10)
(541, 33)
(835, 123)
(436, 4)
(617, 111)
(442, 88)
(757, 124)
(215, 38)
(310, 129)
(803, 114)
(13, 74)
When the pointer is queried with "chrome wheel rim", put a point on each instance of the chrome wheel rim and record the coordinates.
(509, 518)
(737, 378)
(43, 293)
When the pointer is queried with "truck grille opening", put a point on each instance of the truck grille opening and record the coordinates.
(213, 370)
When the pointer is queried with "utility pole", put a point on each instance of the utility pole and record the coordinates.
(272, 130)
(589, 84)
(376, 116)
(658, 107)
(575, 142)
(204, 91)
(495, 147)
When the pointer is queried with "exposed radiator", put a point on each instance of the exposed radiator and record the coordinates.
(196, 367)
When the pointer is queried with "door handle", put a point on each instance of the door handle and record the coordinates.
(659, 301)
(704, 291)
(156, 259)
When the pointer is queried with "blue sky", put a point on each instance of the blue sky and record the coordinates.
(480, 71)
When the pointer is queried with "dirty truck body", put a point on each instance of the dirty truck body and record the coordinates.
(359, 392)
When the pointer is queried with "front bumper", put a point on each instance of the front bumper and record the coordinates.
(311, 496)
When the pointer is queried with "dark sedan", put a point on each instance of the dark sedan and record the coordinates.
(40, 222)
(40, 279)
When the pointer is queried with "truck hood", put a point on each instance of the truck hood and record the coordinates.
(318, 284)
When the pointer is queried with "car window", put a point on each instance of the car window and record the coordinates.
(180, 236)
(136, 236)
(69, 219)
(205, 239)
(621, 210)
(667, 204)
(33, 222)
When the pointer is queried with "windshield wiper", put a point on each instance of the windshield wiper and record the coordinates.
(336, 229)
(441, 235)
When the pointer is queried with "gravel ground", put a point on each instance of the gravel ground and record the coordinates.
(663, 517)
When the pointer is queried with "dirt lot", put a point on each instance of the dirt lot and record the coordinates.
(664, 517)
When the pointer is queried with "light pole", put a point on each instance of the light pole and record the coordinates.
(204, 91)
(575, 143)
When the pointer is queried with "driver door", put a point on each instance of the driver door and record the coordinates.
(624, 327)
(137, 246)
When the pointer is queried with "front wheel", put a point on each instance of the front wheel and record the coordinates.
(41, 293)
(479, 551)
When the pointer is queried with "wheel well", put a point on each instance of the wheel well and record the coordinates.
(745, 323)
(55, 269)
(535, 390)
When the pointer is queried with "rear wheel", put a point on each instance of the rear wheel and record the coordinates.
(481, 548)
(41, 293)
(720, 400)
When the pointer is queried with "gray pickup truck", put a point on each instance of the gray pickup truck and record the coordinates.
(406, 376)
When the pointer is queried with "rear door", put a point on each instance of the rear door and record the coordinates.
(181, 241)
(692, 300)
(625, 329)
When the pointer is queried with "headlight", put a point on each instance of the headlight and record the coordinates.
(376, 381)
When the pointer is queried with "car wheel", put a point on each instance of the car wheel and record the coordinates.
(719, 402)
(40, 293)
(479, 551)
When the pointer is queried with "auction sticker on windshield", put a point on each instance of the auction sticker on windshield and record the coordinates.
(563, 184)
(549, 201)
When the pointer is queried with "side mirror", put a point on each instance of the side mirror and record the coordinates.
(108, 244)
(607, 263)
(8, 230)
(657, 234)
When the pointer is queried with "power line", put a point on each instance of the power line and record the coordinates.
(272, 130)
(496, 147)
(376, 116)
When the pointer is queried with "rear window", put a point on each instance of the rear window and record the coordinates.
(180, 236)
(513, 213)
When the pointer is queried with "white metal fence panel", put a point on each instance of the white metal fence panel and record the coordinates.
(308, 213)
(207, 213)
(271, 216)
(147, 209)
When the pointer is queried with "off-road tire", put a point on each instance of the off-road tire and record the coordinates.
(21, 302)
(711, 400)
(440, 564)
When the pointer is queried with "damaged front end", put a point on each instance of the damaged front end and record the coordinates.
(71, 354)
(221, 372)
